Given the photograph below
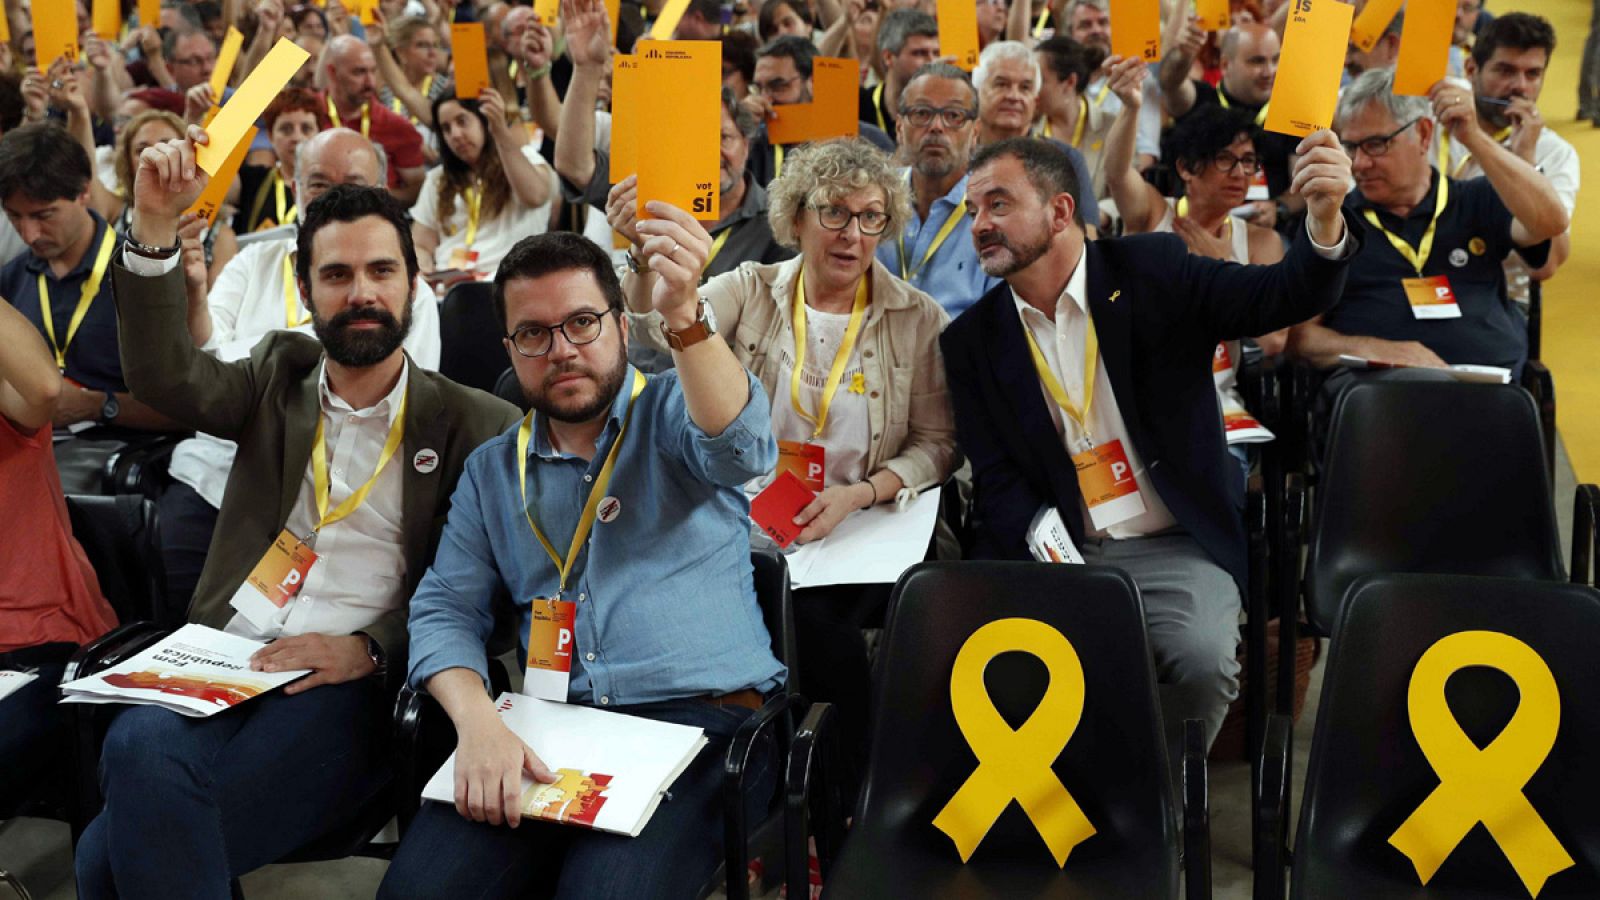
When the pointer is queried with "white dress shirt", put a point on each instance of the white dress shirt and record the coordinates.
(496, 236)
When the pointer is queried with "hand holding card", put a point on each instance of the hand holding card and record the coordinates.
(775, 508)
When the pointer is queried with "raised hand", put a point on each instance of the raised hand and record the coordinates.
(588, 32)
(1322, 176)
(166, 182)
(1125, 76)
(675, 248)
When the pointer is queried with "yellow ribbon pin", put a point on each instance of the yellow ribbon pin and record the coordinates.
(858, 383)
(1016, 764)
(1483, 785)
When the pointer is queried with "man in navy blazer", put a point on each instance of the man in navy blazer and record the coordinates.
(1146, 441)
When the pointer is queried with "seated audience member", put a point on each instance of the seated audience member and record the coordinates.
(1065, 112)
(255, 295)
(1008, 78)
(1419, 224)
(343, 443)
(408, 53)
(879, 424)
(1098, 355)
(490, 190)
(50, 600)
(780, 19)
(677, 447)
(1089, 23)
(350, 73)
(937, 133)
(267, 194)
(60, 284)
(783, 76)
(907, 40)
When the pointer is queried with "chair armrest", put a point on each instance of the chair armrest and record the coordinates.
(1290, 588)
(1196, 813)
(736, 831)
(1270, 841)
(1585, 538)
(809, 739)
(409, 708)
(111, 648)
(1257, 612)
(136, 467)
(1538, 381)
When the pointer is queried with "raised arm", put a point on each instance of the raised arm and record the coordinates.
(1535, 206)
(389, 68)
(1138, 201)
(536, 53)
(589, 47)
(1176, 88)
(529, 182)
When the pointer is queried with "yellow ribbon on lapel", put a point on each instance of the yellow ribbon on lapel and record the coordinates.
(1015, 765)
(1483, 785)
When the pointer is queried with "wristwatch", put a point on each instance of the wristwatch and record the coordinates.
(633, 262)
(109, 409)
(380, 664)
(705, 325)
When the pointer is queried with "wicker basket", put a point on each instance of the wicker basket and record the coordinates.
(1231, 739)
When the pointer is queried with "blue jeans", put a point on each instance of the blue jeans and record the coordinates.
(33, 728)
(192, 803)
(447, 856)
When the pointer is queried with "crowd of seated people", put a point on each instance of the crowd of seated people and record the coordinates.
(1007, 282)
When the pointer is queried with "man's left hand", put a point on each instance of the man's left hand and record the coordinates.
(1322, 177)
(1454, 109)
(333, 660)
(1526, 124)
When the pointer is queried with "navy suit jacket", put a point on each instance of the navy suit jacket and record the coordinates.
(1159, 312)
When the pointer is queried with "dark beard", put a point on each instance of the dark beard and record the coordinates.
(608, 384)
(359, 349)
(1021, 257)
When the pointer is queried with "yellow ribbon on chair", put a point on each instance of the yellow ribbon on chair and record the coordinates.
(1015, 765)
(1483, 785)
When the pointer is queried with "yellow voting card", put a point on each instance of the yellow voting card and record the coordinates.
(1213, 15)
(107, 19)
(242, 110)
(680, 115)
(834, 108)
(1424, 46)
(1136, 29)
(613, 13)
(667, 22)
(472, 59)
(1372, 21)
(216, 192)
(958, 32)
(625, 117)
(226, 57)
(150, 12)
(1314, 44)
(548, 10)
(5, 27)
(55, 33)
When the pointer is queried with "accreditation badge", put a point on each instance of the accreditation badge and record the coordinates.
(264, 596)
(550, 642)
(807, 461)
(1431, 297)
(1105, 479)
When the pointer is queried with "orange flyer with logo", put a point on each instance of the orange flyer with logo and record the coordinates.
(1372, 22)
(1307, 86)
(55, 32)
(958, 32)
(833, 110)
(471, 58)
(1424, 46)
(625, 117)
(1136, 29)
(1213, 15)
(216, 191)
(680, 115)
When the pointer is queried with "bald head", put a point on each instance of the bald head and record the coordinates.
(351, 72)
(336, 156)
(1250, 62)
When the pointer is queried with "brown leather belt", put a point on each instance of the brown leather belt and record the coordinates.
(749, 698)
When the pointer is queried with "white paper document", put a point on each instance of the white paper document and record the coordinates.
(13, 681)
(196, 671)
(611, 769)
(871, 546)
(1460, 371)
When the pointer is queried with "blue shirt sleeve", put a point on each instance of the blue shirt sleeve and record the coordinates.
(744, 450)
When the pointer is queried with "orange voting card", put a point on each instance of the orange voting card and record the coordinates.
(211, 199)
(5, 26)
(107, 19)
(625, 117)
(248, 102)
(1136, 29)
(1213, 15)
(1307, 87)
(680, 116)
(549, 12)
(958, 32)
(1424, 46)
(471, 58)
(226, 57)
(55, 33)
(835, 104)
(667, 22)
(1372, 22)
(150, 12)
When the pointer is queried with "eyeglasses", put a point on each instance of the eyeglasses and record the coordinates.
(1225, 162)
(772, 85)
(195, 61)
(534, 341)
(1377, 145)
(951, 117)
(837, 218)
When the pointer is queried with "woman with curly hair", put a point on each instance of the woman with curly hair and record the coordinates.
(490, 189)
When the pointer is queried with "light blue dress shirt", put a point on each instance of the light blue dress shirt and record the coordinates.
(952, 276)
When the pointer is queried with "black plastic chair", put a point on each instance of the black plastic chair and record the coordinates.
(507, 388)
(121, 537)
(1115, 764)
(470, 348)
(1367, 773)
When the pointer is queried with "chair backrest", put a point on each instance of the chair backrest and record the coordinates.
(121, 538)
(509, 389)
(1431, 477)
(470, 351)
(1366, 773)
(1114, 764)
(777, 607)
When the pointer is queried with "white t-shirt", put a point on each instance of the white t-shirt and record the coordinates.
(848, 433)
(495, 236)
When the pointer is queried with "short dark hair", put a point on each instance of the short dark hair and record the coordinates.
(1198, 137)
(766, 18)
(739, 50)
(1065, 57)
(794, 47)
(1046, 163)
(556, 251)
(348, 203)
(44, 163)
(743, 119)
(901, 25)
(1516, 31)
(710, 10)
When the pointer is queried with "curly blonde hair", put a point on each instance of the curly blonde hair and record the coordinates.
(825, 173)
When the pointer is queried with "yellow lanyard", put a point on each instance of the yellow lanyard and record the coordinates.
(1261, 114)
(399, 106)
(366, 118)
(716, 246)
(877, 106)
(89, 291)
(286, 211)
(319, 470)
(1044, 15)
(1183, 212)
(840, 360)
(1091, 356)
(956, 215)
(291, 297)
(474, 210)
(1444, 152)
(1077, 130)
(585, 521)
(1418, 257)
(1105, 91)
(777, 160)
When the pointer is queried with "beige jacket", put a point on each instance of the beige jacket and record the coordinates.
(908, 407)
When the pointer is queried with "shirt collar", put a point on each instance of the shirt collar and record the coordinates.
(36, 265)
(1423, 209)
(1074, 293)
(951, 199)
(388, 407)
(541, 447)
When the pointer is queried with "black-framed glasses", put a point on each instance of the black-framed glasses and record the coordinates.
(837, 218)
(1377, 145)
(534, 341)
(1225, 162)
(772, 85)
(951, 117)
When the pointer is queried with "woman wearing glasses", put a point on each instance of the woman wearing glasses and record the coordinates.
(849, 356)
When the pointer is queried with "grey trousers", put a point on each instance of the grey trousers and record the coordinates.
(1191, 611)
